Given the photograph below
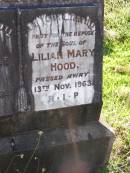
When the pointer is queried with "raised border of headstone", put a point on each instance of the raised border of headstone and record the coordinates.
(9, 61)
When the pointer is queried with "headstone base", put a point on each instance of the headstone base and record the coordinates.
(83, 149)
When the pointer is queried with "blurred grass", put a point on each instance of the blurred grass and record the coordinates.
(116, 84)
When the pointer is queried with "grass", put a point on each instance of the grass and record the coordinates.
(116, 84)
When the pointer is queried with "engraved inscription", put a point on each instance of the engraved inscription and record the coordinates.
(61, 48)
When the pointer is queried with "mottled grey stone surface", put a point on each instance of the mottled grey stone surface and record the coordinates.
(85, 147)
(47, 1)
(8, 62)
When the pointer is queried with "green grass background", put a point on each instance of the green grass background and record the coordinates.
(116, 82)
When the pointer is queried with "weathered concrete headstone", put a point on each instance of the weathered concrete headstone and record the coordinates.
(60, 65)
(60, 48)
(51, 69)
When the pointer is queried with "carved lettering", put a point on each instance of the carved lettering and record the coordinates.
(60, 67)
(62, 49)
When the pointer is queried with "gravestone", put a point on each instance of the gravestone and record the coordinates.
(51, 87)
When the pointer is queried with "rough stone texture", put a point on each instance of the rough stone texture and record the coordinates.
(10, 2)
(8, 62)
(56, 118)
(47, 120)
(86, 147)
